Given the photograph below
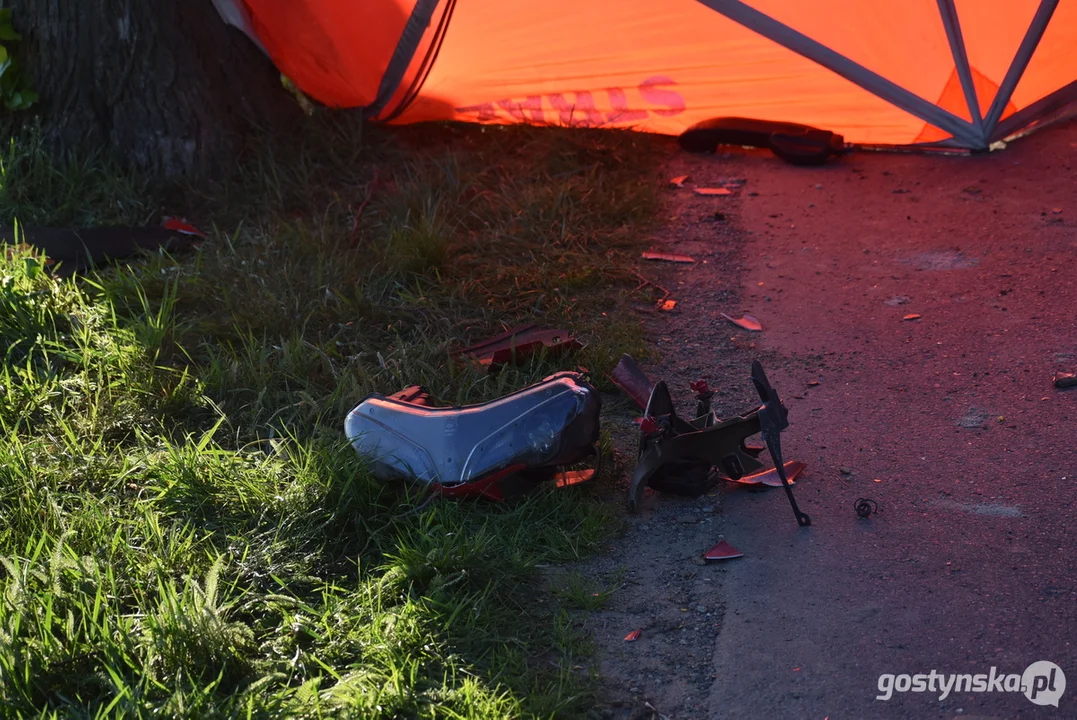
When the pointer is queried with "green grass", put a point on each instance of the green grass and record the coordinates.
(184, 530)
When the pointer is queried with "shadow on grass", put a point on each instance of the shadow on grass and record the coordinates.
(186, 531)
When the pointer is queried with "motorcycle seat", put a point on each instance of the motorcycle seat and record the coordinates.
(548, 423)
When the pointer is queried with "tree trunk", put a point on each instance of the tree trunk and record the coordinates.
(165, 85)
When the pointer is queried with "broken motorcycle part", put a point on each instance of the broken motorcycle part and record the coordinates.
(71, 250)
(747, 322)
(866, 507)
(568, 478)
(722, 551)
(703, 399)
(1065, 380)
(520, 344)
(414, 394)
(675, 455)
(770, 478)
(668, 257)
(795, 143)
(773, 418)
(632, 381)
(470, 451)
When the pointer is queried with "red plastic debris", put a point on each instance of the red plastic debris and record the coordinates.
(747, 322)
(569, 478)
(182, 226)
(488, 487)
(632, 636)
(518, 345)
(770, 477)
(723, 551)
(632, 380)
(647, 424)
(668, 257)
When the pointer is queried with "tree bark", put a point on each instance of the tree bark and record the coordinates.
(164, 85)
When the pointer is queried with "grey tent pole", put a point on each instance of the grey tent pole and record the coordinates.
(1020, 62)
(874, 83)
(961, 61)
(235, 14)
(414, 29)
(1044, 106)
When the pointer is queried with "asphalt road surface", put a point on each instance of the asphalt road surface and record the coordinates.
(950, 422)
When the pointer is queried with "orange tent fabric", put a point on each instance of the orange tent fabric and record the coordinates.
(951, 72)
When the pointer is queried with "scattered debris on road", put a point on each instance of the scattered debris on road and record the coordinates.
(668, 257)
(769, 478)
(632, 636)
(667, 305)
(679, 181)
(655, 713)
(722, 551)
(713, 191)
(518, 345)
(746, 322)
(1065, 380)
(866, 507)
(912, 316)
(633, 382)
(644, 282)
